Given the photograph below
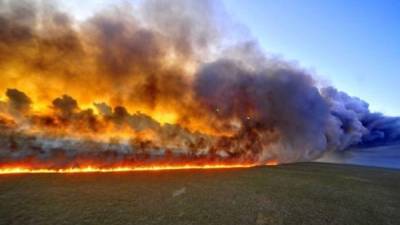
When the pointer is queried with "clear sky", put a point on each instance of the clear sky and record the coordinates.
(353, 45)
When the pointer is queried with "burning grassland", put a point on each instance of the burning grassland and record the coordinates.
(160, 85)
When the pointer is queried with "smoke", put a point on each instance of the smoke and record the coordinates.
(277, 99)
(359, 126)
(65, 105)
(18, 101)
(159, 83)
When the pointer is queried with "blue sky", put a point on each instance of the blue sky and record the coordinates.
(353, 45)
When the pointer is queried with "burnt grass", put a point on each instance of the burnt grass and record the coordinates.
(304, 193)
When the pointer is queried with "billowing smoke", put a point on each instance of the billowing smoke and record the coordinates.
(19, 102)
(159, 83)
(359, 126)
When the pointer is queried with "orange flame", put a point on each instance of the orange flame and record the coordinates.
(94, 169)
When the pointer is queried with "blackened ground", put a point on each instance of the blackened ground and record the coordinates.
(304, 193)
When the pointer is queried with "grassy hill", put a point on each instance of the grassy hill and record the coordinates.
(305, 193)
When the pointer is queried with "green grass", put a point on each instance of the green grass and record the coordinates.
(306, 193)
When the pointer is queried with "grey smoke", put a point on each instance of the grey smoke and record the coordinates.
(19, 102)
(356, 125)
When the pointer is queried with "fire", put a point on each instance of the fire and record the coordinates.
(94, 169)
(118, 92)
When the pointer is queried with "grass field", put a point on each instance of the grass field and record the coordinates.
(307, 193)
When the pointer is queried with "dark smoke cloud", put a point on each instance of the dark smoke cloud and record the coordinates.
(275, 98)
(382, 129)
(359, 126)
(232, 103)
(18, 101)
(66, 105)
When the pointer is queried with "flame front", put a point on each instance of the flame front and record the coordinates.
(94, 169)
